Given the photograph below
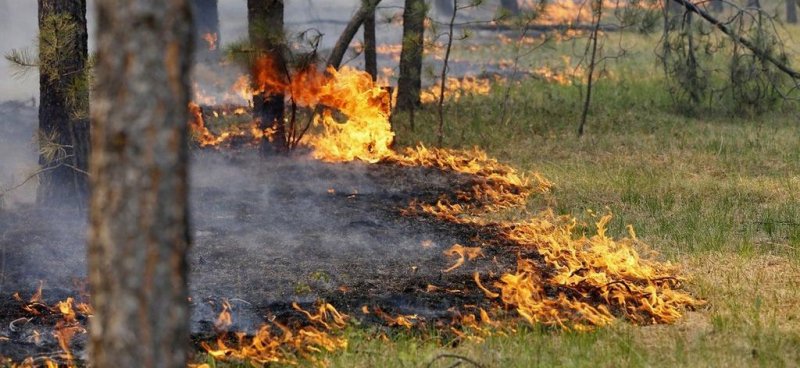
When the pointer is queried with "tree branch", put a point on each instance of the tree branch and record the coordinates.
(337, 54)
(739, 39)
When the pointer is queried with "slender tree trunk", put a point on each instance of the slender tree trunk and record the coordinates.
(370, 44)
(265, 28)
(64, 105)
(443, 76)
(337, 54)
(791, 11)
(138, 237)
(409, 83)
(207, 35)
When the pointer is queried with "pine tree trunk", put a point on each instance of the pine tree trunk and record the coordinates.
(64, 103)
(138, 236)
(265, 28)
(791, 11)
(370, 47)
(409, 83)
(207, 36)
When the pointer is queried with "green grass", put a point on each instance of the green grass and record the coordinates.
(716, 192)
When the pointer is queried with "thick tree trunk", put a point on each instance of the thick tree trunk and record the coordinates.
(138, 237)
(370, 47)
(265, 29)
(207, 36)
(409, 83)
(64, 105)
(791, 11)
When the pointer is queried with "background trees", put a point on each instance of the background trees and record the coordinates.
(139, 234)
(207, 36)
(265, 30)
(64, 105)
(408, 85)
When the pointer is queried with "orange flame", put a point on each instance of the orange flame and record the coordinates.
(211, 39)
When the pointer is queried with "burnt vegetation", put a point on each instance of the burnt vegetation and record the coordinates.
(254, 200)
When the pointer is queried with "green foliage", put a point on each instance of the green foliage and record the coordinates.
(57, 43)
(705, 67)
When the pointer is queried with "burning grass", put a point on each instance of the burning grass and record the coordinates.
(562, 278)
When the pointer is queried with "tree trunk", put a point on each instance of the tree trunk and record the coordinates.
(207, 36)
(64, 103)
(511, 6)
(138, 236)
(370, 45)
(265, 29)
(337, 54)
(756, 4)
(409, 83)
(791, 11)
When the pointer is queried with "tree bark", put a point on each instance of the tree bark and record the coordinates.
(64, 103)
(350, 30)
(370, 45)
(409, 83)
(791, 11)
(138, 236)
(207, 36)
(265, 29)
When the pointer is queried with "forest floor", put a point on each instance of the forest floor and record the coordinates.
(714, 190)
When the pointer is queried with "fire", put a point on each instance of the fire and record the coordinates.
(455, 88)
(211, 39)
(65, 328)
(224, 320)
(463, 253)
(566, 75)
(282, 345)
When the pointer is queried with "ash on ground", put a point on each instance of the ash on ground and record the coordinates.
(266, 233)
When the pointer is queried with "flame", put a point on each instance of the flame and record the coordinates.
(224, 320)
(455, 88)
(268, 347)
(562, 278)
(463, 253)
(211, 39)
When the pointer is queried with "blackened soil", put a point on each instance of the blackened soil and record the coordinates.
(266, 233)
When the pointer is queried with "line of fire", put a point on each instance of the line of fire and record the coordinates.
(253, 183)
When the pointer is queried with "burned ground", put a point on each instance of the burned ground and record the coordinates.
(267, 233)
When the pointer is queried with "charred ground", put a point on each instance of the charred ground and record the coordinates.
(267, 233)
